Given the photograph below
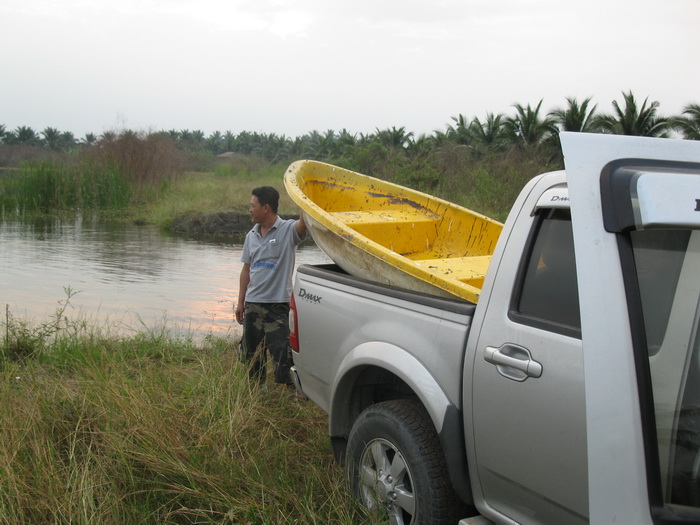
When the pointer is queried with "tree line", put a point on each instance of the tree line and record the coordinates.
(527, 126)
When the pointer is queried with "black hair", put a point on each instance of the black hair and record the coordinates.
(267, 195)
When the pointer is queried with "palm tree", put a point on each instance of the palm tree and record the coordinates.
(575, 117)
(108, 136)
(245, 142)
(52, 138)
(489, 134)
(273, 147)
(346, 141)
(173, 134)
(527, 127)
(25, 135)
(311, 145)
(184, 137)
(460, 133)
(438, 139)
(689, 123)
(215, 143)
(631, 120)
(229, 141)
(3, 131)
(327, 144)
(394, 138)
(422, 147)
(90, 139)
(198, 139)
(67, 140)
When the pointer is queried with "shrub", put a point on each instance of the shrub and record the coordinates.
(143, 159)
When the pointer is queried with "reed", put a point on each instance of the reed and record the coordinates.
(42, 186)
(151, 429)
(120, 171)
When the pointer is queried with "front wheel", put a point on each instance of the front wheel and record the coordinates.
(396, 466)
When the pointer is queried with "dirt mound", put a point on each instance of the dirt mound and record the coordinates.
(222, 223)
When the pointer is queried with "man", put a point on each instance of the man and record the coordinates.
(266, 286)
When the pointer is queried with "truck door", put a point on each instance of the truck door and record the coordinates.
(527, 401)
(635, 204)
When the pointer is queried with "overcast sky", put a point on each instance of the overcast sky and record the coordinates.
(293, 66)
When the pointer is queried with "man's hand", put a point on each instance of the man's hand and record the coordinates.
(240, 313)
(244, 281)
(300, 226)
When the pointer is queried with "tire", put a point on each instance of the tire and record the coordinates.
(397, 468)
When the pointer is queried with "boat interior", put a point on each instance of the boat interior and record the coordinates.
(438, 238)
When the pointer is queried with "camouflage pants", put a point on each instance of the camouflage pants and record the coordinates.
(266, 328)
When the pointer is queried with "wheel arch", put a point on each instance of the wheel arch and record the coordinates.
(376, 372)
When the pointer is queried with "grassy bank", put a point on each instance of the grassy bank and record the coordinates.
(151, 429)
(210, 192)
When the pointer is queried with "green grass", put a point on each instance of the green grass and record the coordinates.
(205, 192)
(152, 429)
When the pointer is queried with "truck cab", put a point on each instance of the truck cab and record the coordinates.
(582, 375)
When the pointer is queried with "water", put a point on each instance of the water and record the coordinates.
(126, 278)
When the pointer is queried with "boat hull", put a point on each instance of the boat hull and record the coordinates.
(391, 234)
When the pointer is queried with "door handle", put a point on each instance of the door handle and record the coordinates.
(513, 361)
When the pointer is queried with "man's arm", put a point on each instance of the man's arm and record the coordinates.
(300, 226)
(244, 280)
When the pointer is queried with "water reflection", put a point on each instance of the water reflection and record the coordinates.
(127, 277)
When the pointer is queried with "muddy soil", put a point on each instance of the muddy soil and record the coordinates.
(222, 223)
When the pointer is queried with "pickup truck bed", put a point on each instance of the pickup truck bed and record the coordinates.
(435, 335)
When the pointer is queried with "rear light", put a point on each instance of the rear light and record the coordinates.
(293, 325)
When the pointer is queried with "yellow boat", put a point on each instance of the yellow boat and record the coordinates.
(391, 234)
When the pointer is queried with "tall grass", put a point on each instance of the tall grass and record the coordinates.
(51, 186)
(120, 170)
(151, 429)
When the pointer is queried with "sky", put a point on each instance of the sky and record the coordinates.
(293, 66)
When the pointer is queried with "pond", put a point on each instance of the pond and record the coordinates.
(124, 278)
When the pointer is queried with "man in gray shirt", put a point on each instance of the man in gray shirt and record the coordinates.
(266, 286)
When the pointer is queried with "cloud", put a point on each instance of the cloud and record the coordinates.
(289, 66)
(290, 23)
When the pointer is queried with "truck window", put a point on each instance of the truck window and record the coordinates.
(548, 290)
(666, 263)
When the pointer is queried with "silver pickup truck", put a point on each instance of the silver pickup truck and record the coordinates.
(569, 394)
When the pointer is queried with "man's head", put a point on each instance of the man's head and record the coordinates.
(263, 203)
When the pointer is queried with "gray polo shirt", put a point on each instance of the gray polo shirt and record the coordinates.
(271, 260)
